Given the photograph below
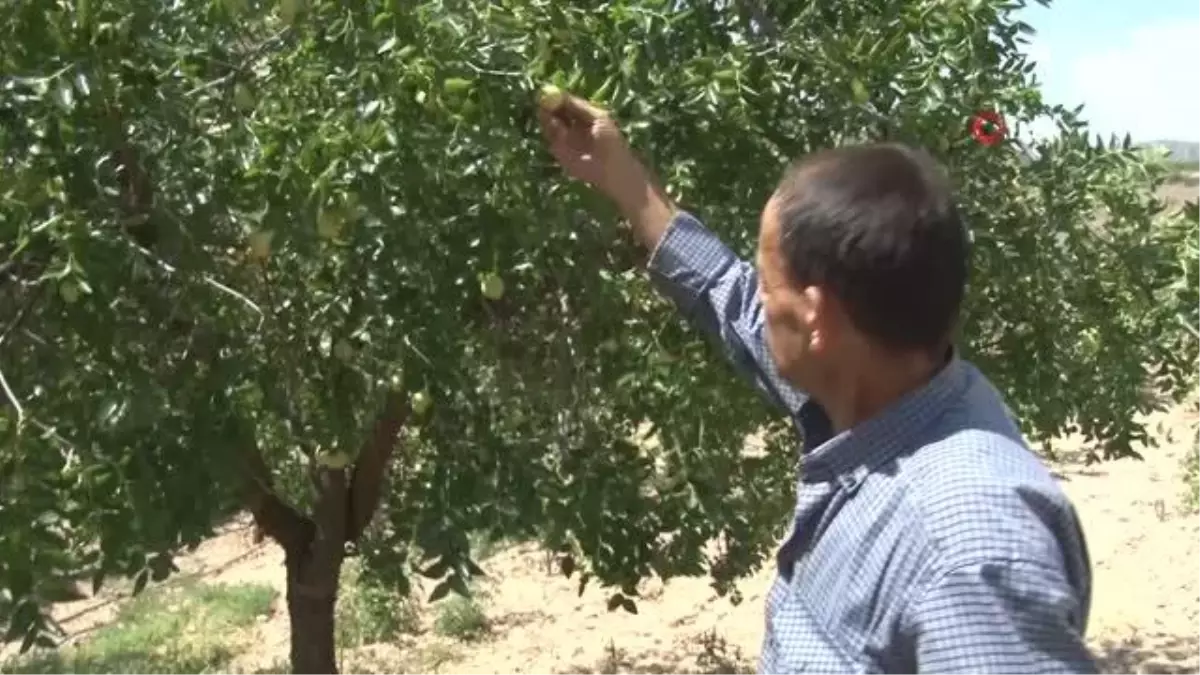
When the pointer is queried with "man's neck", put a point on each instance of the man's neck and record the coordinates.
(874, 384)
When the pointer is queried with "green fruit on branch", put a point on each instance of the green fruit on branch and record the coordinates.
(329, 223)
(243, 98)
(343, 350)
(456, 85)
(551, 98)
(69, 293)
(492, 286)
(421, 403)
(260, 245)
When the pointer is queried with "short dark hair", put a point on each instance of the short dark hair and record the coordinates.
(878, 227)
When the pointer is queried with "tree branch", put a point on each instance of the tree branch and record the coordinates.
(276, 519)
(16, 321)
(319, 565)
(366, 483)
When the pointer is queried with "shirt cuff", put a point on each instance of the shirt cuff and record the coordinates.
(688, 259)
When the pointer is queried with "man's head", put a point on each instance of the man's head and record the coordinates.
(861, 253)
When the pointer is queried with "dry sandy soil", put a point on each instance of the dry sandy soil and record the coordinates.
(1184, 189)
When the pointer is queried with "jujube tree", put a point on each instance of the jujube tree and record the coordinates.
(309, 259)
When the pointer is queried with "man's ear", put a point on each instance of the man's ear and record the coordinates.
(815, 315)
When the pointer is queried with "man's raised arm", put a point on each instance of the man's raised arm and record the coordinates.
(708, 282)
(718, 292)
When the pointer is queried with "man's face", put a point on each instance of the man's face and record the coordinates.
(795, 317)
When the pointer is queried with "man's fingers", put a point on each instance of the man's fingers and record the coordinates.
(581, 109)
(555, 133)
(569, 130)
(552, 127)
(572, 110)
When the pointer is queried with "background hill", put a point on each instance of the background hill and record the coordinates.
(1181, 151)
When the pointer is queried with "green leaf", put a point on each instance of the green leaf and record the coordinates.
(23, 620)
(442, 589)
(387, 46)
(615, 601)
(474, 569)
(567, 565)
(459, 585)
(438, 569)
(97, 581)
(30, 639)
(140, 581)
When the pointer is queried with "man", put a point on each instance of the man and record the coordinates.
(927, 536)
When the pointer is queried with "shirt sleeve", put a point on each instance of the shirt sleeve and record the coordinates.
(1002, 617)
(718, 292)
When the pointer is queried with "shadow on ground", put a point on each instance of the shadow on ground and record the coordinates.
(1149, 653)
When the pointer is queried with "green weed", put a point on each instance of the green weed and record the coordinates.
(184, 629)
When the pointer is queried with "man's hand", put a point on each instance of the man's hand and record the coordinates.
(587, 143)
(589, 146)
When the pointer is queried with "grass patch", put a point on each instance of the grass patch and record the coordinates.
(464, 618)
(461, 618)
(181, 629)
(368, 613)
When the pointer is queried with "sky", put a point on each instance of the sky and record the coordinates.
(1131, 63)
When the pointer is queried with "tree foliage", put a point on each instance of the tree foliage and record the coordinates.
(245, 244)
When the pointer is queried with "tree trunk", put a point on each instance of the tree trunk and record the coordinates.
(314, 547)
(313, 569)
(313, 552)
(311, 602)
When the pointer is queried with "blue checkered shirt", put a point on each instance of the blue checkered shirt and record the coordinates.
(927, 539)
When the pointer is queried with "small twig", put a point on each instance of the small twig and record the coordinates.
(205, 277)
(12, 398)
(212, 84)
(51, 432)
(499, 73)
(16, 321)
(222, 287)
(408, 343)
(248, 57)
(1182, 322)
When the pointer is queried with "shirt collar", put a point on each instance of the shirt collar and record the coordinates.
(853, 453)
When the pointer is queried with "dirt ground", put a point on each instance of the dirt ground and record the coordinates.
(1186, 188)
(1144, 616)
